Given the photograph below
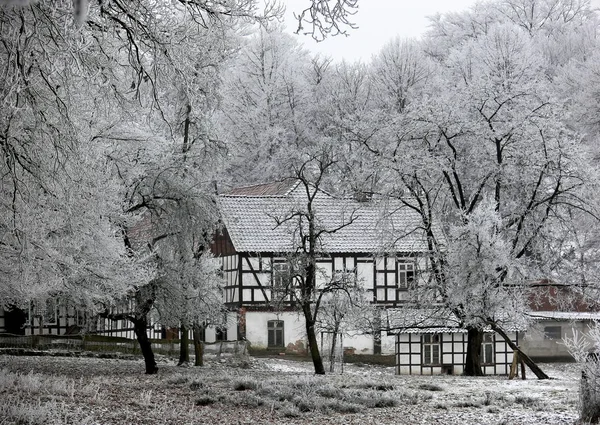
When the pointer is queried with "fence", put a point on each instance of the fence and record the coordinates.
(100, 343)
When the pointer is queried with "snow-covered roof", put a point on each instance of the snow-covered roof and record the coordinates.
(264, 223)
(421, 320)
(564, 315)
(414, 320)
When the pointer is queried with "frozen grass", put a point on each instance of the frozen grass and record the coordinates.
(76, 390)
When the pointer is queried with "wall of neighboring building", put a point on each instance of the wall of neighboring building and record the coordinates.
(259, 324)
(544, 340)
(445, 353)
(57, 317)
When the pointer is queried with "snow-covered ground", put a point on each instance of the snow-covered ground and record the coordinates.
(279, 391)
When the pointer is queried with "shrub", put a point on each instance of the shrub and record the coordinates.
(245, 384)
(289, 410)
(177, 379)
(205, 400)
(196, 385)
(527, 401)
(340, 406)
(467, 403)
(304, 404)
(246, 400)
(330, 392)
(430, 387)
(589, 393)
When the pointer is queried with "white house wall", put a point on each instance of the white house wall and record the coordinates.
(294, 332)
(230, 269)
(539, 344)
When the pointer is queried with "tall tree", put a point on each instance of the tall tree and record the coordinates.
(265, 99)
(95, 143)
(489, 127)
(307, 228)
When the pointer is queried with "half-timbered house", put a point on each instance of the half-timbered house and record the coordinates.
(378, 241)
(257, 237)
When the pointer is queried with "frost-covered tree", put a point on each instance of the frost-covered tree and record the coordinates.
(489, 127)
(61, 207)
(323, 18)
(308, 229)
(344, 309)
(107, 137)
(264, 107)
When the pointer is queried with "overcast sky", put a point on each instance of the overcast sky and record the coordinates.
(379, 21)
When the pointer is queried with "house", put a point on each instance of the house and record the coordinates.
(557, 312)
(256, 239)
(432, 343)
(55, 316)
(378, 241)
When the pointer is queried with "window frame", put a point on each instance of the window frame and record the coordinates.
(50, 311)
(220, 333)
(488, 341)
(274, 327)
(393, 276)
(405, 274)
(433, 342)
(280, 274)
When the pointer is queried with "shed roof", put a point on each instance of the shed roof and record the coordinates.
(270, 223)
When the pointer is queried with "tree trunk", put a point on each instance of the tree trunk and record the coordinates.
(184, 346)
(139, 326)
(473, 360)
(312, 341)
(198, 346)
(332, 352)
(526, 359)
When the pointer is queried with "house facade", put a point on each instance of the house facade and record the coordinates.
(443, 351)
(379, 243)
(55, 316)
(256, 239)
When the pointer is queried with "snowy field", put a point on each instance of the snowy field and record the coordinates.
(72, 390)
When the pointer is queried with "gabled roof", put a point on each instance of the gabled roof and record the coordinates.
(264, 223)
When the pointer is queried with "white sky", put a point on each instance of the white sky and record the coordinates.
(378, 22)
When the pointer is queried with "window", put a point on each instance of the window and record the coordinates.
(406, 274)
(431, 349)
(280, 274)
(221, 334)
(393, 277)
(487, 349)
(275, 333)
(552, 332)
(201, 329)
(49, 311)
